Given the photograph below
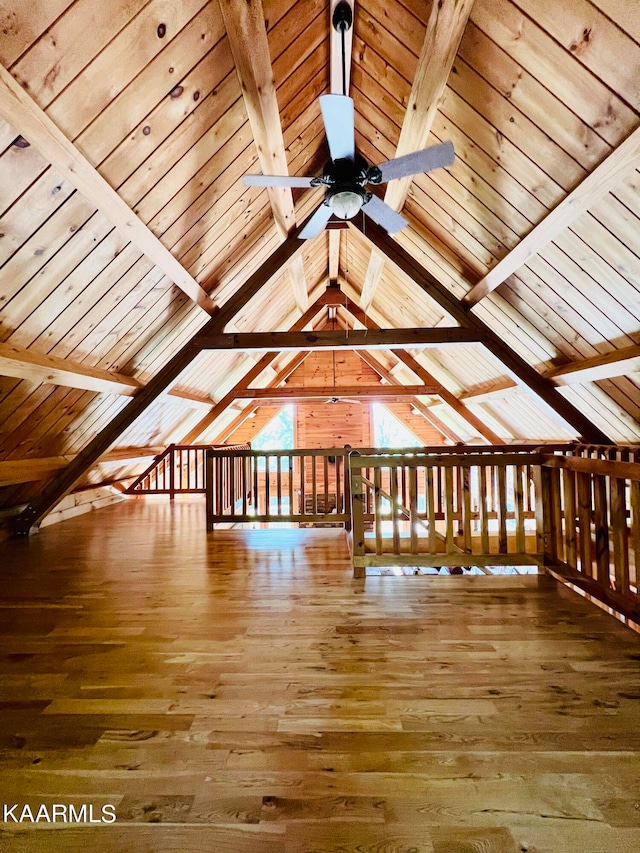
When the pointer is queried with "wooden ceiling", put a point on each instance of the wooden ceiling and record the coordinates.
(126, 127)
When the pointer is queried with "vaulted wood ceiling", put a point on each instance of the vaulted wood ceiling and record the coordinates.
(126, 127)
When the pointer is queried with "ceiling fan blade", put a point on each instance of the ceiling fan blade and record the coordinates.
(337, 115)
(436, 157)
(384, 215)
(317, 222)
(275, 181)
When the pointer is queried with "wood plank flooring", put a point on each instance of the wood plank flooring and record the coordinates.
(242, 692)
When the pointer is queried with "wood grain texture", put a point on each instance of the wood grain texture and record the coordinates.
(241, 690)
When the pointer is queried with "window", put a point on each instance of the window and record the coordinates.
(276, 435)
(388, 431)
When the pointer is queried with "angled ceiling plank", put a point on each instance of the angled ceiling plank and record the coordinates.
(37, 128)
(195, 432)
(598, 183)
(33, 514)
(356, 339)
(285, 252)
(540, 385)
(445, 395)
(244, 22)
(445, 27)
(619, 362)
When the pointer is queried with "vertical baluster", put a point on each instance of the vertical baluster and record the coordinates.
(449, 511)
(377, 512)
(218, 485)
(620, 534)
(393, 476)
(256, 495)
(232, 484)
(246, 481)
(518, 494)
(292, 508)
(303, 500)
(501, 482)
(314, 484)
(601, 520)
(356, 512)
(466, 507)
(267, 484)
(431, 511)
(413, 508)
(483, 508)
(325, 482)
(459, 492)
(569, 500)
(211, 506)
(584, 524)
(279, 483)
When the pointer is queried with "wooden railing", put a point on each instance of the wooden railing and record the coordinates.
(462, 507)
(305, 486)
(590, 522)
(180, 469)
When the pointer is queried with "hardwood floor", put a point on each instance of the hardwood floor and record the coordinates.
(242, 692)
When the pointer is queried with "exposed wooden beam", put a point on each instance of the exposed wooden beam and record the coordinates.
(299, 283)
(619, 362)
(445, 27)
(319, 392)
(248, 410)
(355, 339)
(17, 108)
(252, 374)
(372, 278)
(604, 178)
(409, 361)
(498, 390)
(244, 22)
(447, 22)
(334, 255)
(34, 366)
(540, 385)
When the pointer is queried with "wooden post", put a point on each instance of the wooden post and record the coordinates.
(209, 489)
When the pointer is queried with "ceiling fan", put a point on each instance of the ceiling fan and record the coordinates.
(347, 173)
